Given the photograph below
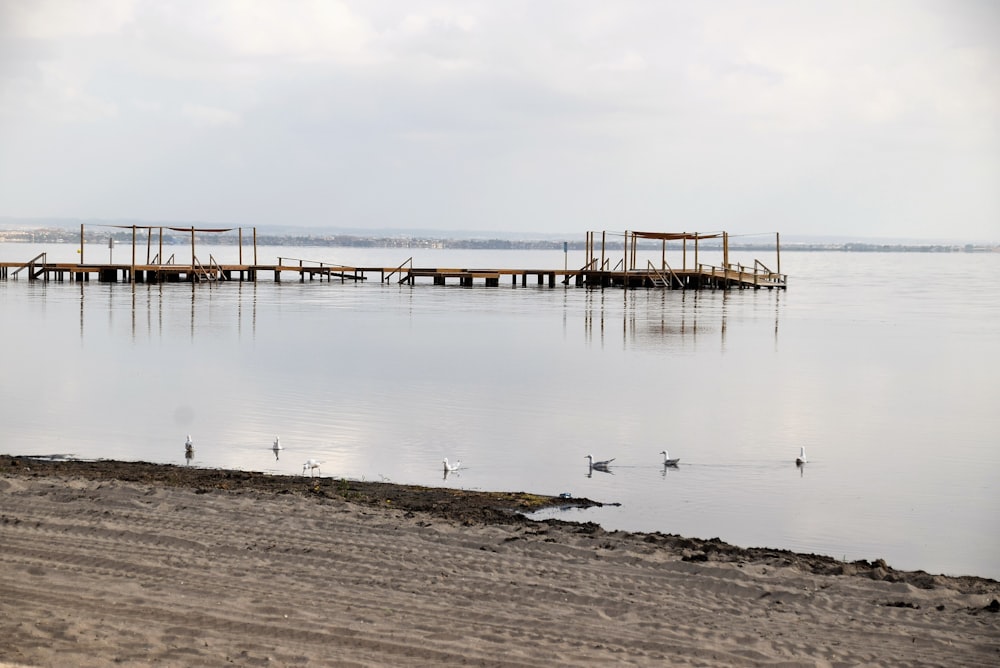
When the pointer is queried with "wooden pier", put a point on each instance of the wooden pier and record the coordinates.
(627, 273)
(705, 276)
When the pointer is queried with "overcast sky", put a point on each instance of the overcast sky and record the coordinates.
(869, 118)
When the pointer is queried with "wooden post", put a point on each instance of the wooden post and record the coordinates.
(255, 245)
(132, 270)
(625, 262)
(696, 265)
(81, 245)
(239, 238)
(603, 237)
(625, 256)
(149, 243)
(725, 251)
(160, 253)
(777, 249)
(684, 251)
(192, 253)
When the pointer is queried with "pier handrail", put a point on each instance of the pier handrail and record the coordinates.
(758, 263)
(201, 271)
(650, 265)
(726, 271)
(213, 264)
(156, 258)
(30, 266)
(769, 274)
(302, 262)
(399, 269)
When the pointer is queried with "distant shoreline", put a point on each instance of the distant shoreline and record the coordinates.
(64, 236)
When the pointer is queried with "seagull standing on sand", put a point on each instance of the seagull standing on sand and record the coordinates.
(312, 465)
(600, 466)
(189, 445)
(451, 468)
(667, 461)
(801, 459)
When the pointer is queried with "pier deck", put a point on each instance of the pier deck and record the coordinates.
(704, 276)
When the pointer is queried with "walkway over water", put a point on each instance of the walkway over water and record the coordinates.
(598, 272)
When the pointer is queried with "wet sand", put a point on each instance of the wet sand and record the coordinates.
(117, 563)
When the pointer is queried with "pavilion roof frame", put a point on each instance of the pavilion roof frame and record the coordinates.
(676, 236)
(190, 230)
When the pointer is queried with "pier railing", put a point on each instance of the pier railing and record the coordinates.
(312, 268)
(770, 275)
(408, 262)
(757, 275)
(216, 268)
(303, 263)
(30, 266)
(213, 272)
(663, 277)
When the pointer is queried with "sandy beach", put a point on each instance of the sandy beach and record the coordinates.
(138, 564)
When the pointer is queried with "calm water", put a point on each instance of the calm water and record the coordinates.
(885, 366)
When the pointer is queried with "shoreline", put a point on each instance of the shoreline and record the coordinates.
(129, 563)
(503, 508)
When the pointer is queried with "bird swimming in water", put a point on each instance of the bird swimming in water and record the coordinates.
(312, 465)
(667, 461)
(801, 459)
(600, 466)
(451, 468)
(276, 447)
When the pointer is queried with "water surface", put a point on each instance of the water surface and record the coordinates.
(883, 366)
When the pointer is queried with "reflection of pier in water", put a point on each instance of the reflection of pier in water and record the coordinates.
(671, 319)
(641, 265)
(150, 299)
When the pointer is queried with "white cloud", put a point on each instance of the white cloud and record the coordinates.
(305, 30)
(205, 116)
(630, 61)
(55, 19)
(58, 93)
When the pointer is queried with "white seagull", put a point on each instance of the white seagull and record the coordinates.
(801, 459)
(277, 444)
(667, 461)
(451, 468)
(312, 465)
(189, 445)
(600, 466)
